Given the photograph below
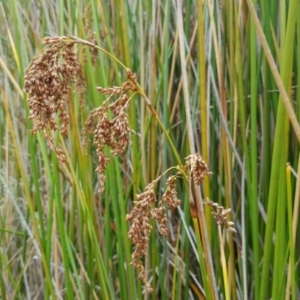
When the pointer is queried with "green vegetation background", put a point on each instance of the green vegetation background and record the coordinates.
(60, 239)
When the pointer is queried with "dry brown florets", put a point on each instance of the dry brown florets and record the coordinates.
(132, 79)
(110, 126)
(170, 195)
(220, 214)
(144, 211)
(196, 167)
(48, 81)
(140, 229)
(141, 216)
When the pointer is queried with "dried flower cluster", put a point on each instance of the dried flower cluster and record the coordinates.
(111, 131)
(220, 214)
(47, 82)
(141, 216)
(196, 167)
(144, 211)
(140, 229)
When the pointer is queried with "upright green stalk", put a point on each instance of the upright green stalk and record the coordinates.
(198, 200)
(62, 230)
(253, 153)
(243, 121)
(204, 109)
(165, 149)
(291, 281)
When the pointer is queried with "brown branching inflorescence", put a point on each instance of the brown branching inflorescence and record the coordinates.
(141, 215)
(111, 131)
(144, 211)
(48, 81)
(140, 229)
(195, 166)
(220, 214)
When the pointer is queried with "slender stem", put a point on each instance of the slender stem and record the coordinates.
(140, 91)
(153, 111)
(253, 204)
(198, 199)
(84, 42)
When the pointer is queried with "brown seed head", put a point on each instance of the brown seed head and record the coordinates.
(110, 126)
(170, 195)
(196, 166)
(221, 214)
(141, 215)
(140, 229)
(48, 81)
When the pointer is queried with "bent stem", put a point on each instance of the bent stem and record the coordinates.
(154, 113)
(84, 42)
(140, 91)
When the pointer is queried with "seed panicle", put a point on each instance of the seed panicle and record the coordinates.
(196, 166)
(48, 81)
(141, 215)
(144, 211)
(220, 214)
(112, 132)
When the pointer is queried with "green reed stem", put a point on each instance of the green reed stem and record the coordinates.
(253, 150)
(141, 92)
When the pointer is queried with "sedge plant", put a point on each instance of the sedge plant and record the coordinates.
(48, 80)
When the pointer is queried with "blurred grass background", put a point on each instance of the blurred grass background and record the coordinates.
(60, 239)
